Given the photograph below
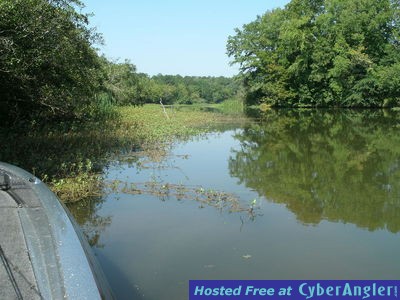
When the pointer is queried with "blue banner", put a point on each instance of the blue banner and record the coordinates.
(293, 289)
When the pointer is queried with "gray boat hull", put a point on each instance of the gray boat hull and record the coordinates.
(44, 255)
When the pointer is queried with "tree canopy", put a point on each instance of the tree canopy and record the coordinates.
(343, 53)
(47, 60)
(50, 68)
(195, 89)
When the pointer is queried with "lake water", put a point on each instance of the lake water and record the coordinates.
(319, 193)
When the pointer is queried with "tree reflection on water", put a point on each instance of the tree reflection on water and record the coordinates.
(341, 166)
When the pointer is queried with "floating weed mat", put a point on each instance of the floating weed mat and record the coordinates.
(206, 197)
(71, 156)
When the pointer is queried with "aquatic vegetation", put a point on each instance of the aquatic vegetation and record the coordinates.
(206, 197)
(70, 157)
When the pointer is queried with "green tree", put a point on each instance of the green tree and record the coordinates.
(123, 85)
(195, 89)
(48, 65)
(321, 53)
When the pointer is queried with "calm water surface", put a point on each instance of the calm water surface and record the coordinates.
(326, 186)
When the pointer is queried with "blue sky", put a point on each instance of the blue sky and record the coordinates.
(174, 36)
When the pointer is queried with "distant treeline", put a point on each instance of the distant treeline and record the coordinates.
(125, 86)
(343, 53)
(50, 68)
(190, 89)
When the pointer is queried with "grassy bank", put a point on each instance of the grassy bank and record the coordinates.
(70, 157)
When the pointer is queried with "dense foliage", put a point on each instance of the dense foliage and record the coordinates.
(176, 89)
(49, 68)
(322, 53)
(47, 62)
(193, 89)
(124, 87)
